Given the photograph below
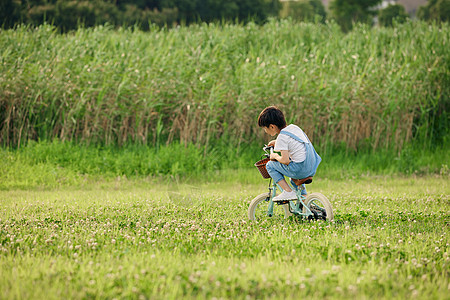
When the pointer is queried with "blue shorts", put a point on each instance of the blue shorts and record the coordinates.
(294, 170)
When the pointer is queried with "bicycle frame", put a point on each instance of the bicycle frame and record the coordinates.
(295, 206)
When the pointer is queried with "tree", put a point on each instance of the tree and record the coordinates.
(211, 10)
(257, 10)
(438, 10)
(304, 10)
(69, 14)
(9, 13)
(319, 9)
(348, 12)
(392, 12)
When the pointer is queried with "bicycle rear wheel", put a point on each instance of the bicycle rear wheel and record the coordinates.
(320, 206)
(258, 209)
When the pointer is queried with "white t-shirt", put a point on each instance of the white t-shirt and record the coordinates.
(297, 150)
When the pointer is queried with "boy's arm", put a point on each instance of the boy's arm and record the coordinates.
(283, 158)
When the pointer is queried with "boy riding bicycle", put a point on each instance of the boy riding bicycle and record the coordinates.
(298, 159)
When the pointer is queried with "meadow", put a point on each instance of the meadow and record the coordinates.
(131, 239)
(126, 161)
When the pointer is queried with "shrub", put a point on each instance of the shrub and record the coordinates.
(348, 12)
(437, 10)
(9, 13)
(395, 12)
(307, 10)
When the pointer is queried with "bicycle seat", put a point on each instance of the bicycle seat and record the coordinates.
(306, 180)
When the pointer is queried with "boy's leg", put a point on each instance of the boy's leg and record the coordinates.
(304, 193)
(277, 170)
(296, 171)
(294, 185)
(302, 188)
(284, 185)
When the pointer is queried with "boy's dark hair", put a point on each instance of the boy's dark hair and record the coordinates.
(271, 115)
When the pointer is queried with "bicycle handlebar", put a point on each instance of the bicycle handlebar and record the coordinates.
(270, 148)
(265, 148)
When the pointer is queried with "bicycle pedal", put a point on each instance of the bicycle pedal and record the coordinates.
(283, 202)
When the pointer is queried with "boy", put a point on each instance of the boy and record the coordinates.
(298, 158)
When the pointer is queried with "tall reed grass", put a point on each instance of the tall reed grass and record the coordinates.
(373, 87)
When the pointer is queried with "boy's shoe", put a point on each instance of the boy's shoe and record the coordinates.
(285, 196)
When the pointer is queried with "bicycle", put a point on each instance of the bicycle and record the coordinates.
(314, 206)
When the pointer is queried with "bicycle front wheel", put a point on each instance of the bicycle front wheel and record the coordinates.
(259, 209)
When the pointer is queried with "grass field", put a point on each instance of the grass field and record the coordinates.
(124, 161)
(131, 239)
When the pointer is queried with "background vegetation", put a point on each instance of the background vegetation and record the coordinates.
(69, 15)
(304, 10)
(391, 14)
(373, 91)
(438, 10)
(347, 13)
(376, 99)
(53, 165)
(371, 88)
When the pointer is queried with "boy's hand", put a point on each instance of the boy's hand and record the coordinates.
(283, 158)
(271, 143)
(274, 156)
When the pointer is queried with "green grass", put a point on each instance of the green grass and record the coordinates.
(57, 164)
(128, 239)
